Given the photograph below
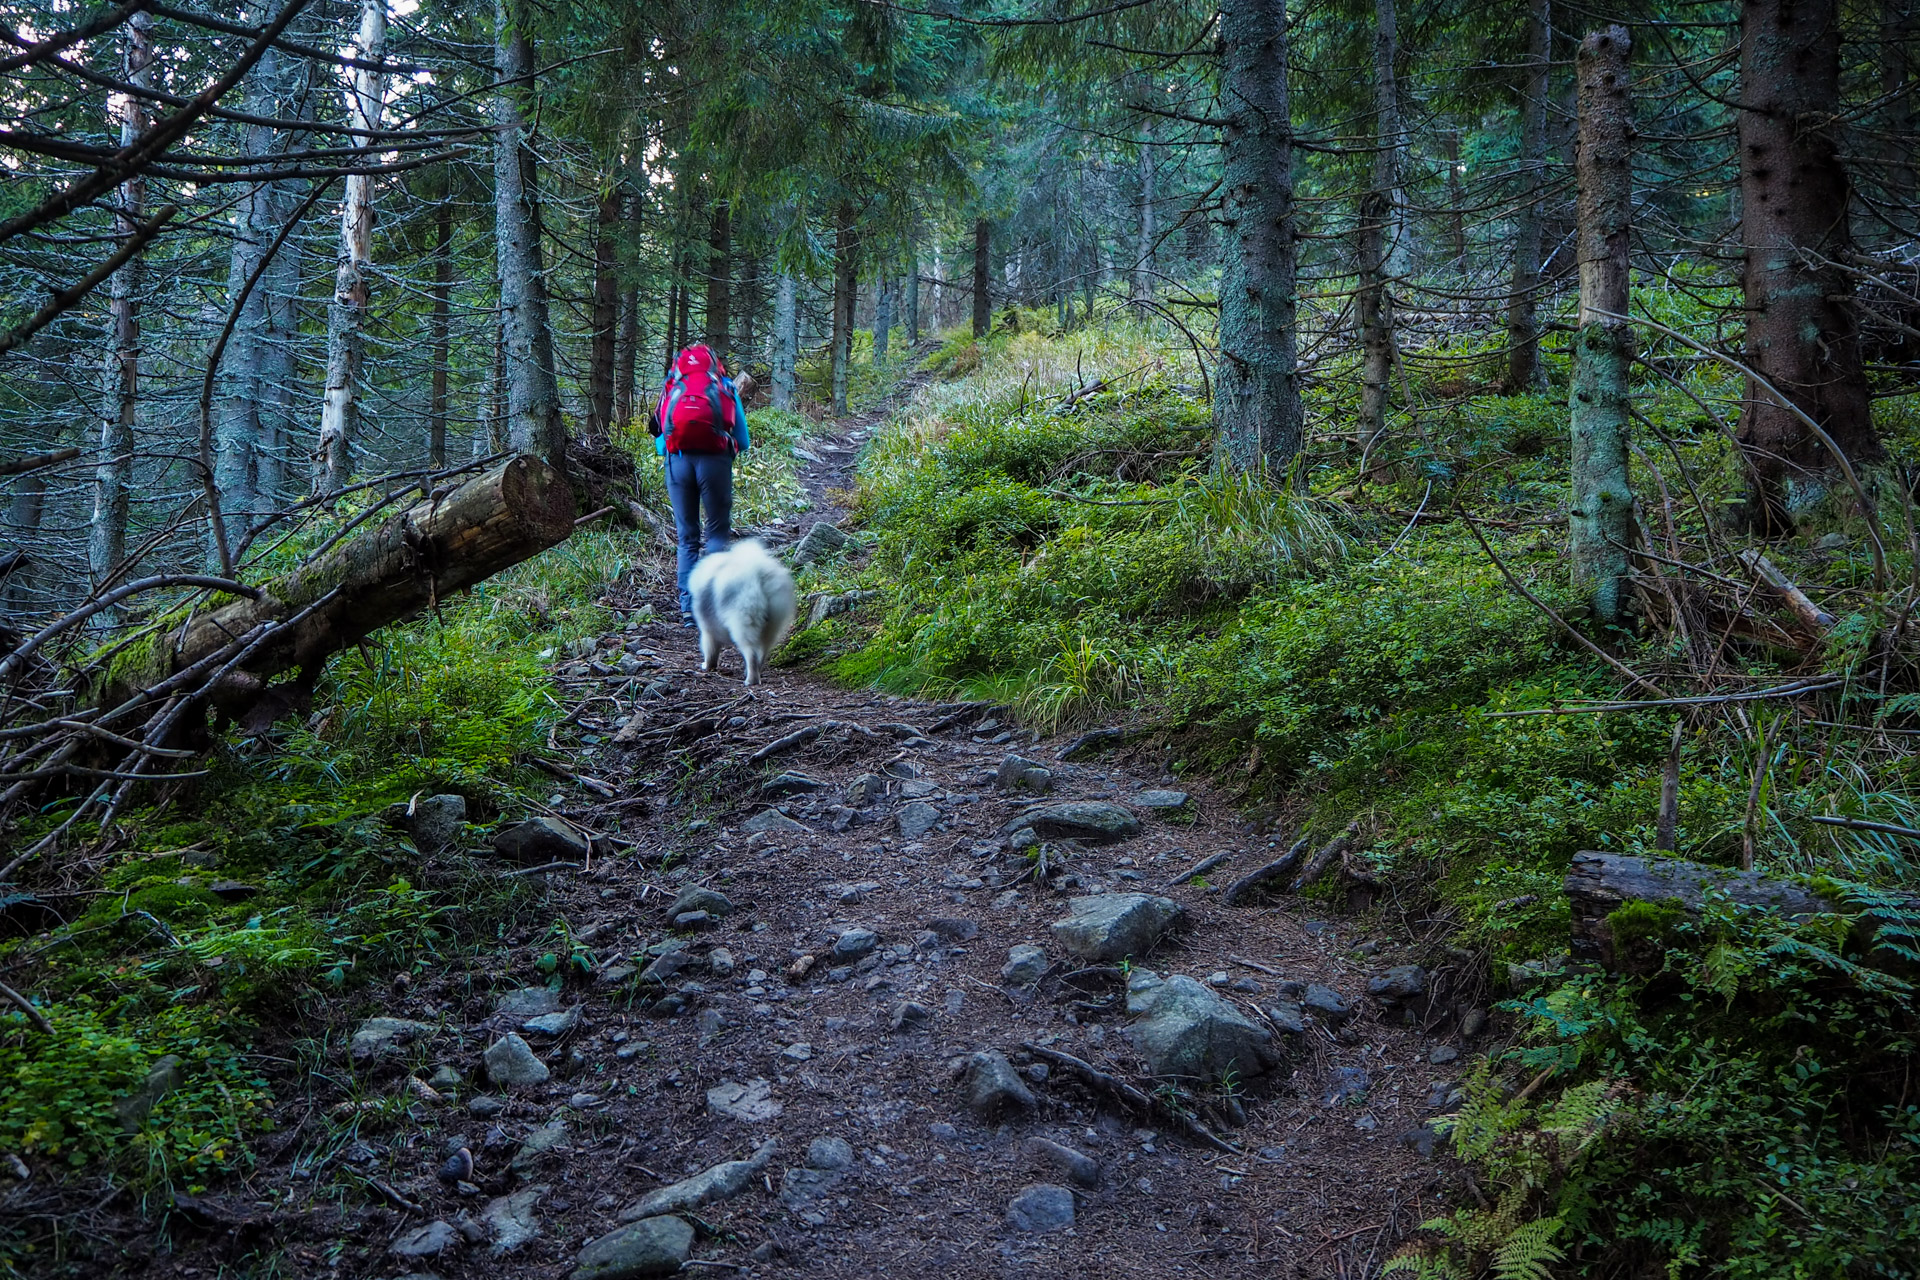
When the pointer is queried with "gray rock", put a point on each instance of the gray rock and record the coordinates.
(553, 1024)
(1187, 1031)
(511, 1064)
(993, 1086)
(1442, 1054)
(1041, 1208)
(822, 542)
(164, 1076)
(953, 929)
(720, 962)
(1473, 1022)
(1112, 926)
(1422, 1140)
(1026, 964)
(852, 944)
(1012, 775)
(1079, 1167)
(829, 1153)
(666, 966)
(548, 1138)
(1161, 799)
(772, 820)
(649, 1247)
(721, 1182)
(527, 1002)
(699, 898)
(1328, 1003)
(917, 819)
(749, 1103)
(1287, 1016)
(692, 920)
(868, 788)
(908, 1015)
(430, 1241)
(485, 1105)
(436, 822)
(1349, 1084)
(539, 840)
(1093, 821)
(510, 1219)
(919, 788)
(384, 1037)
(1022, 838)
(789, 784)
(1401, 982)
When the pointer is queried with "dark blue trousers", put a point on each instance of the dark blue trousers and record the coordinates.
(696, 483)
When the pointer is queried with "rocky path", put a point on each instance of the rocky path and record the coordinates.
(886, 988)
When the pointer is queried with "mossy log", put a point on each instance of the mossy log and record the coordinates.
(1600, 884)
(408, 563)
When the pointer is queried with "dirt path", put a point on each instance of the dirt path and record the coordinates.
(853, 964)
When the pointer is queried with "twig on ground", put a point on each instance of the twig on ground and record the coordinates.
(37, 1018)
(1246, 884)
(1134, 1097)
(1200, 868)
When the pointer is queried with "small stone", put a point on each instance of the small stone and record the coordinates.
(789, 784)
(436, 822)
(1187, 1031)
(721, 1182)
(830, 1154)
(1012, 771)
(1327, 1002)
(917, 819)
(1113, 926)
(1402, 982)
(430, 1241)
(548, 1137)
(720, 962)
(801, 1052)
(749, 1103)
(1219, 978)
(1022, 838)
(649, 1247)
(852, 944)
(510, 1063)
(1041, 1208)
(867, 789)
(511, 1219)
(458, 1167)
(1092, 821)
(919, 788)
(539, 840)
(1349, 1083)
(526, 1002)
(993, 1086)
(699, 898)
(1287, 1016)
(1441, 1054)
(1161, 799)
(1421, 1140)
(444, 1078)
(553, 1024)
(666, 966)
(772, 820)
(821, 542)
(852, 893)
(908, 1015)
(485, 1105)
(941, 1131)
(1473, 1022)
(692, 920)
(950, 929)
(1026, 964)
(384, 1037)
(1078, 1167)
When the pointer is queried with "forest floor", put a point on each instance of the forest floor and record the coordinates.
(1330, 1163)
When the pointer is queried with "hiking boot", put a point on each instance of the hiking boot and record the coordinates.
(686, 620)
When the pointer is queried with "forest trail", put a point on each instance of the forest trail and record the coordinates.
(874, 843)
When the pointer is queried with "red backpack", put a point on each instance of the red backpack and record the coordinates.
(696, 409)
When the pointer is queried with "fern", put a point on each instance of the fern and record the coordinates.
(1524, 1255)
(1425, 1266)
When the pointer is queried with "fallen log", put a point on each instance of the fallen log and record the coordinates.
(1816, 618)
(1600, 884)
(407, 564)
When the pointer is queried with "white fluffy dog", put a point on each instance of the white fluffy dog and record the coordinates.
(744, 595)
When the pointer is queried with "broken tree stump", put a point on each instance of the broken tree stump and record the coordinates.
(408, 563)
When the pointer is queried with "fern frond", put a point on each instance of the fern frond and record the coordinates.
(1425, 1266)
(1524, 1255)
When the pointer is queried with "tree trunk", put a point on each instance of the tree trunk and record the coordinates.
(24, 513)
(746, 306)
(347, 318)
(409, 563)
(281, 410)
(844, 294)
(1602, 526)
(1523, 334)
(1382, 242)
(626, 355)
(533, 394)
(1256, 394)
(1802, 330)
(672, 344)
(112, 485)
(882, 318)
(439, 331)
(982, 278)
(719, 275)
(606, 317)
(913, 298)
(1149, 230)
(786, 341)
(1456, 200)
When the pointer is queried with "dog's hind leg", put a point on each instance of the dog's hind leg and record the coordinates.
(709, 652)
(751, 659)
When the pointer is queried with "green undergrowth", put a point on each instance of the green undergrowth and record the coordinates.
(1343, 649)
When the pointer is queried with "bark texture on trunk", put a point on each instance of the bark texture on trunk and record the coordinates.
(113, 478)
(440, 332)
(1148, 220)
(1256, 394)
(883, 292)
(347, 317)
(786, 340)
(1803, 332)
(844, 296)
(534, 424)
(719, 275)
(1523, 333)
(606, 317)
(982, 278)
(626, 355)
(913, 299)
(1601, 520)
(409, 563)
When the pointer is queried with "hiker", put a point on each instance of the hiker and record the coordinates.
(699, 425)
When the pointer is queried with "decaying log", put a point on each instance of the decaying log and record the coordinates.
(407, 564)
(1816, 618)
(1316, 867)
(1598, 884)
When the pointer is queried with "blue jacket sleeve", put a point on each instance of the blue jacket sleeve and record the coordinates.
(740, 419)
